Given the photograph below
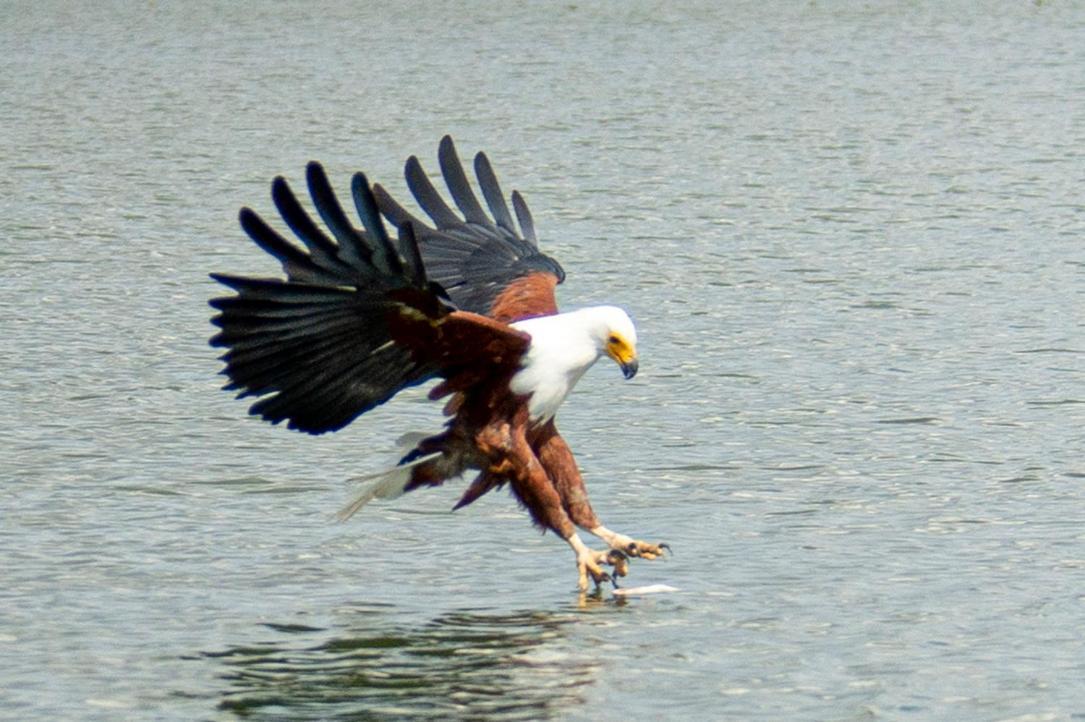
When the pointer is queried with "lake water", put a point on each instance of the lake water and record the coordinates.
(852, 238)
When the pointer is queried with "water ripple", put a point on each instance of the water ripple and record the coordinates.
(460, 664)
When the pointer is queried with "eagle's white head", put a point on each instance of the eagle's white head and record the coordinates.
(614, 335)
(566, 345)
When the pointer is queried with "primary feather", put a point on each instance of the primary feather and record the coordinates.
(475, 258)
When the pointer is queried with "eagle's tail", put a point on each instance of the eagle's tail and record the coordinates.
(387, 484)
(430, 461)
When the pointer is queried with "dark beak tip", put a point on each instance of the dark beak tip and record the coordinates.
(629, 370)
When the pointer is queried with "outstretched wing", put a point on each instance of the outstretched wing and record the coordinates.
(355, 321)
(483, 261)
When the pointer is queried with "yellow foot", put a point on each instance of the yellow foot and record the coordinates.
(590, 563)
(628, 546)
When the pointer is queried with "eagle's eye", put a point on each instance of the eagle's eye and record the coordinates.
(613, 339)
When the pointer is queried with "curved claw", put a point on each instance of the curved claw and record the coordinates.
(620, 562)
(645, 550)
(589, 564)
(632, 548)
(586, 565)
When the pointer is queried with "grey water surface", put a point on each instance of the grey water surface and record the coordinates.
(853, 238)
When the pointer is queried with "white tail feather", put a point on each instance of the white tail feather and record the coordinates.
(386, 484)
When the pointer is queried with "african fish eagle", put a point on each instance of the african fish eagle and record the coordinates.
(468, 300)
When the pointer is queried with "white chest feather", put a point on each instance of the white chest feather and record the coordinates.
(559, 355)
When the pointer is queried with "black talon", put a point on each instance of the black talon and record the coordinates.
(665, 545)
(632, 549)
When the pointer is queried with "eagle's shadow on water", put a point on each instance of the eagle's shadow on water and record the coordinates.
(464, 664)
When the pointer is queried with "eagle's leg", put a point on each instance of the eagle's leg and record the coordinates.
(535, 490)
(557, 458)
(543, 502)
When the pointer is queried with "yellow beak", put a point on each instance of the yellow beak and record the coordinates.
(624, 355)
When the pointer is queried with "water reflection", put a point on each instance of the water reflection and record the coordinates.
(496, 666)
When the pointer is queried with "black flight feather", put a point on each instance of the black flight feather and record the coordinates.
(297, 265)
(428, 197)
(458, 186)
(491, 191)
(318, 348)
(383, 257)
(322, 250)
(474, 258)
(527, 224)
(352, 246)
